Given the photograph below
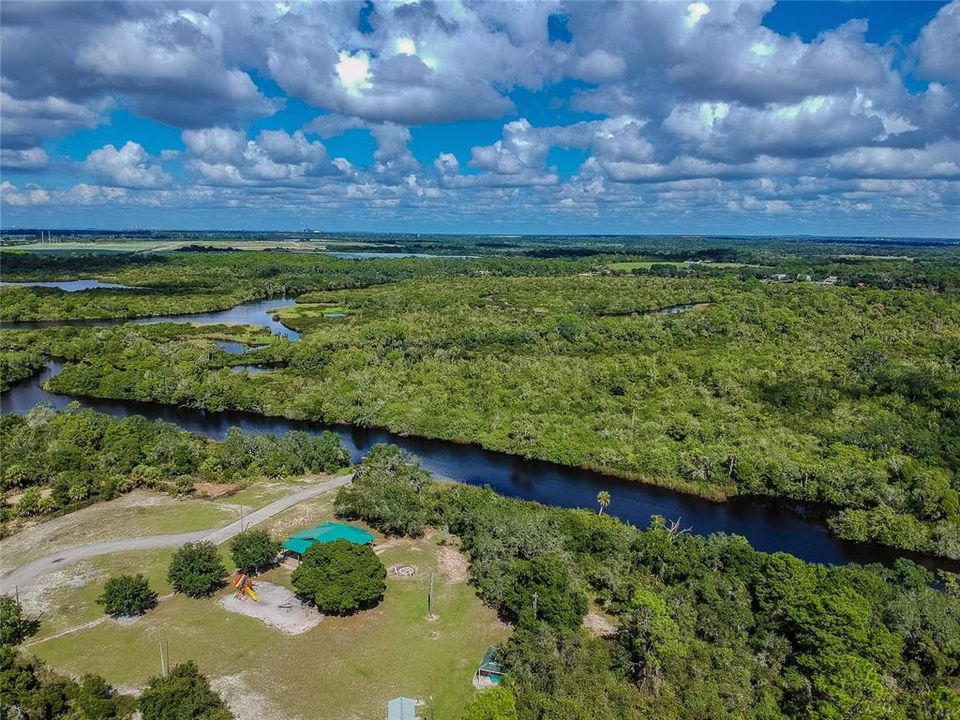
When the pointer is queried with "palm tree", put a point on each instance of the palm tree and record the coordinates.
(603, 499)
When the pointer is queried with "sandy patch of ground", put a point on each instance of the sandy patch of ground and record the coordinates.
(398, 543)
(38, 597)
(453, 563)
(276, 607)
(599, 624)
(244, 703)
(216, 490)
(15, 498)
(306, 514)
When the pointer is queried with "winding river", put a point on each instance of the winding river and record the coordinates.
(770, 525)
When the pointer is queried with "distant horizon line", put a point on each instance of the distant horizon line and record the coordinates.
(319, 233)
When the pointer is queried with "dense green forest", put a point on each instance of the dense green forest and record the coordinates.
(185, 282)
(58, 462)
(702, 627)
(842, 389)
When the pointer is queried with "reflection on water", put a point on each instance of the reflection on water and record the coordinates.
(252, 313)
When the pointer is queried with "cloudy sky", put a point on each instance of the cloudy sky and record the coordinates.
(503, 117)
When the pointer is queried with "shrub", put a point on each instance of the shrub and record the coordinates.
(494, 704)
(30, 502)
(184, 694)
(96, 700)
(341, 577)
(196, 569)
(127, 595)
(252, 550)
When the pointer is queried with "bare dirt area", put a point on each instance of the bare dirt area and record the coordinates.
(306, 514)
(216, 490)
(39, 597)
(244, 702)
(599, 624)
(276, 607)
(453, 563)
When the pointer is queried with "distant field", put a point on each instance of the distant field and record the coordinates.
(647, 264)
(142, 246)
(876, 257)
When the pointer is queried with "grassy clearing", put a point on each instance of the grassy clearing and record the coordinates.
(345, 667)
(66, 606)
(640, 265)
(136, 514)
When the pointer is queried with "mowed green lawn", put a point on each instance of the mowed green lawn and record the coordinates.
(344, 667)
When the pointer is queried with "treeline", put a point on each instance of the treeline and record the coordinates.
(703, 627)
(56, 462)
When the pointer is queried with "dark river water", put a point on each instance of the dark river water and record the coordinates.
(770, 525)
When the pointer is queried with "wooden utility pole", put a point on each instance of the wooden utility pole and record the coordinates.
(164, 657)
(430, 598)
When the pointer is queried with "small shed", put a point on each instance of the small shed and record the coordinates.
(325, 532)
(490, 671)
(402, 708)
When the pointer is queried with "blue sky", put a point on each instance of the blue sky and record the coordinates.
(566, 117)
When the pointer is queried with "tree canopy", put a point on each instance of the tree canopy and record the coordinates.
(340, 577)
(254, 549)
(196, 569)
(127, 595)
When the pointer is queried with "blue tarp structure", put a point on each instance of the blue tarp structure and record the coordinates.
(402, 708)
(325, 533)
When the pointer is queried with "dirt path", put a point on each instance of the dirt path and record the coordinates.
(24, 576)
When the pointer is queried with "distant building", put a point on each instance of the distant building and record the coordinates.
(326, 532)
(402, 708)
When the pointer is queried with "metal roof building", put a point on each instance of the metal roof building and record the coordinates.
(490, 671)
(402, 708)
(325, 533)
